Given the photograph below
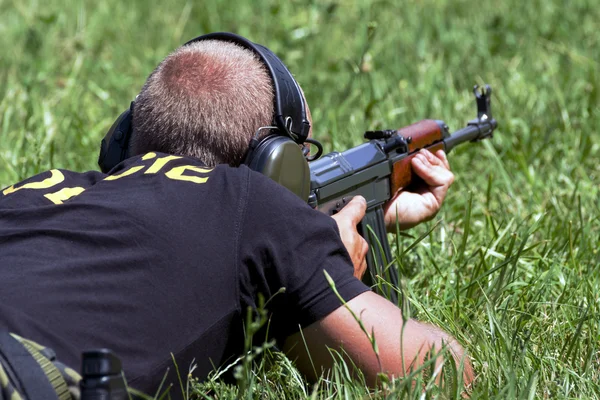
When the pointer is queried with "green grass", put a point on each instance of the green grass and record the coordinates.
(511, 270)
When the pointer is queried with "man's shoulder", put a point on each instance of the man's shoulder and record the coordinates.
(275, 192)
(52, 186)
(155, 162)
(168, 169)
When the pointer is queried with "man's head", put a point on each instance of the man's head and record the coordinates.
(206, 100)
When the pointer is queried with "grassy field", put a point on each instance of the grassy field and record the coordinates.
(512, 269)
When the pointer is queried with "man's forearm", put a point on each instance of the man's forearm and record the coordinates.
(403, 346)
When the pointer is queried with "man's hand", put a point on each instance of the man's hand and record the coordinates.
(412, 208)
(347, 220)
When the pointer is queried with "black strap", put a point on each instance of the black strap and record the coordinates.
(32, 380)
(289, 102)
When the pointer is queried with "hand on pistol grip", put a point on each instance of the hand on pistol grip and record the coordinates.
(347, 220)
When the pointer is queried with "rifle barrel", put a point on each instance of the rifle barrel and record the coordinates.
(473, 132)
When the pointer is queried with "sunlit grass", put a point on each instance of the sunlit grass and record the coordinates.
(512, 268)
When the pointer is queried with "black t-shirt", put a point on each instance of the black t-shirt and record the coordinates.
(161, 256)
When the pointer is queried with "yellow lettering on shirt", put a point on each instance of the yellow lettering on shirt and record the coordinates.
(128, 172)
(177, 174)
(149, 156)
(55, 178)
(159, 163)
(64, 194)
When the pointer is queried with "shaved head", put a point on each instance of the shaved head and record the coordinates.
(205, 100)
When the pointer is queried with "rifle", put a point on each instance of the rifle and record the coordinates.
(380, 168)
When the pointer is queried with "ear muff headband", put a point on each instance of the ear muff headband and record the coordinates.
(290, 110)
(278, 155)
(289, 115)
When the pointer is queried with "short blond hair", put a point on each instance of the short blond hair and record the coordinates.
(205, 100)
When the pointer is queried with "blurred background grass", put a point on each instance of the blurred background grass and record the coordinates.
(512, 269)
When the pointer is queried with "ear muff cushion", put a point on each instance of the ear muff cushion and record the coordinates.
(282, 160)
(114, 146)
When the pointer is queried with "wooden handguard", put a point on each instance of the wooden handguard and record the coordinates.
(425, 134)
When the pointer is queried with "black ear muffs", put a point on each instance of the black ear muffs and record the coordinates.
(289, 108)
(278, 156)
(114, 148)
(282, 160)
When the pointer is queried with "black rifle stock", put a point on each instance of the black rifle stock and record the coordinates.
(379, 169)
